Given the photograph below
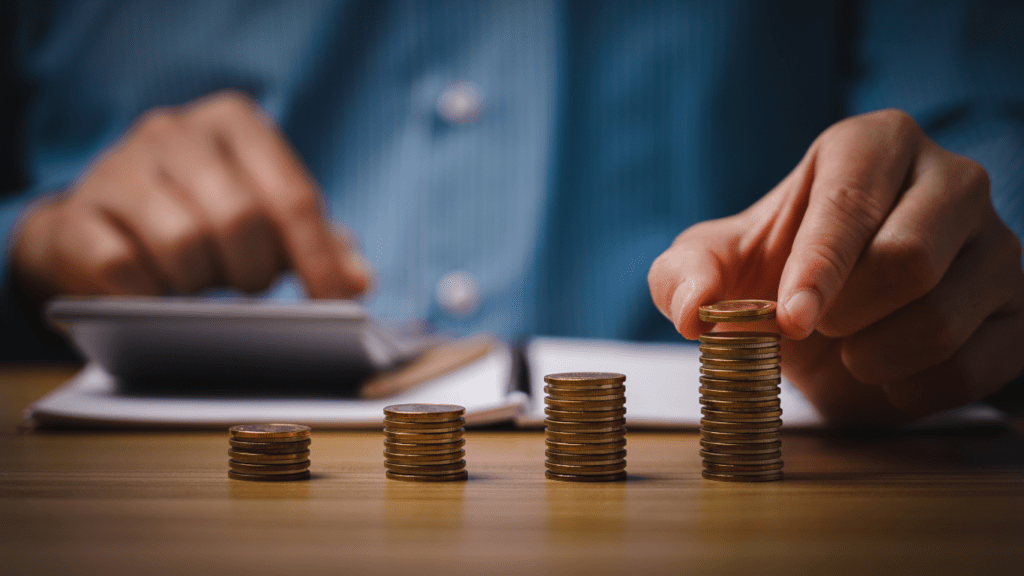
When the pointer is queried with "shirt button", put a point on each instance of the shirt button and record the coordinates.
(460, 102)
(458, 293)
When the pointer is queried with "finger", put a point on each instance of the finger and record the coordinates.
(941, 210)
(989, 359)
(172, 237)
(859, 170)
(96, 257)
(224, 201)
(352, 256)
(294, 202)
(929, 331)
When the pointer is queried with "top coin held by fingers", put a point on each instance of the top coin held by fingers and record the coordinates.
(423, 412)
(263, 431)
(737, 310)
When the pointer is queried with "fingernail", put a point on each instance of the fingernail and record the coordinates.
(906, 397)
(803, 308)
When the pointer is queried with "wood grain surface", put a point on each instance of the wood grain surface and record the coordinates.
(161, 503)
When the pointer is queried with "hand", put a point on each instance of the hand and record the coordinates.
(900, 290)
(206, 195)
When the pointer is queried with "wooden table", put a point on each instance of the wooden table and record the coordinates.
(154, 503)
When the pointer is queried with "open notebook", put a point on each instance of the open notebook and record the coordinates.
(493, 381)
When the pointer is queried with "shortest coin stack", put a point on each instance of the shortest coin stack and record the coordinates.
(424, 442)
(585, 429)
(269, 452)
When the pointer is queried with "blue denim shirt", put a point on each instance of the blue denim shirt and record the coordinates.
(595, 131)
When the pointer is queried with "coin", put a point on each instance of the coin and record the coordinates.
(425, 470)
(269, 447)
(426, 478)
(737, 311)
(585, 470)
(585, 438)
(270, 432)
(737, 437)
(592, 398)
(304, 475)
(711, 393)
(734, 448)
(591, 427)
(575, 448)
(744, 375)
(584, 379)
(585, 405)
(616, 391)
(751, 406)
(740, 339)
(726, 352)
(740, 416)
(570, 416)
(749, 429)
(424, 459)
(767, 458)
(610, 458)
(585, 478)
(740, 477)
(415, 438)
(424, 412)
(739, 364)
(424, 427)
(427, 449)
(739, 386)
(268, 468)
(715, 424)
(256, 458)
(743, 468)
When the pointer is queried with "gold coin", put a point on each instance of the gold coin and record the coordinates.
(720, 416)
(425, 427)
(439, 448)
(415, 438)
(424, 412)
(425, 470)
(584, 379)
(251, 458)
(611, 458)
(742, 468)
(589, 449)
(571, 416)
(424, 459)
(739, 395)
(584, 478)
(585, 438)
(738, 385)
(603, 390)
(591, 427)
(742, 375)
(769, 458)
(750, 406)
(585, 470)
(268, 468)
(304, 475)
(717, 426)
(584, 405)
(425, 478)
(269, 447)
(727, 352)
(270, 432)
(749, 430)
(740, 339)
(740, 478)
(736, 310)
(734, 364)
(740, 448)
(739, 438)
(584, 397)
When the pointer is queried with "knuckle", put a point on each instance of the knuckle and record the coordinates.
(937, 339)
(853, 205)
(298, 206)
(159, 124)
(908, 264)
(973, 177)
(230, 101)
(900, 123)
(235, 219)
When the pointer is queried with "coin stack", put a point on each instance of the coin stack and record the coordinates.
(585, 428)
(740, 376)
(424, 443)
(269, 452)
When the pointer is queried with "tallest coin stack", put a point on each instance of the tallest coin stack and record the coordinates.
(739, 387)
